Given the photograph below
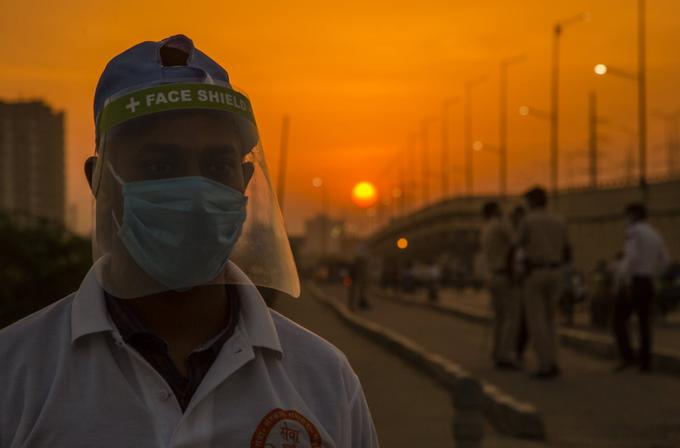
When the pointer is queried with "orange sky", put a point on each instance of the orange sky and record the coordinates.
(358, 79)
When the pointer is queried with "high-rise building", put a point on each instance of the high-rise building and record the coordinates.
(32, 177)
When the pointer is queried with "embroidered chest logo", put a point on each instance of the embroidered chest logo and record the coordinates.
(282, 428)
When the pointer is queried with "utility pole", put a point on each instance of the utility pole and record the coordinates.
(467, 141)
(503, 125)
(554, 110)
(425, 163)
(555, 97)
(467, 134)
(592, 140)
(283, 161)
(445, 150)
(642, 99)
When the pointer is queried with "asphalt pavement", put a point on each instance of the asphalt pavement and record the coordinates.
(587, 407)
(408, 408)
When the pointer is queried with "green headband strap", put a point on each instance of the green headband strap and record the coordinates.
(172, 97)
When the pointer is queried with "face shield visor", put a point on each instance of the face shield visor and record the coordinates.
(183, 196)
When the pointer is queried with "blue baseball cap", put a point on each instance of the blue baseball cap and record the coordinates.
(171, 63)
(171, 60)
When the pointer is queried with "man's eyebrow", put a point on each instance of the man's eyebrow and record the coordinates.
(157, 147)
(229, 149)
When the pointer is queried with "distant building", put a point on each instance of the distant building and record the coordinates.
(325, 238)
(32, 176)
(322, 236)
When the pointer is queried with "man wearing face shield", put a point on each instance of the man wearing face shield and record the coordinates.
(167, 342)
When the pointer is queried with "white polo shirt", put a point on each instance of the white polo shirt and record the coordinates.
(68, 380)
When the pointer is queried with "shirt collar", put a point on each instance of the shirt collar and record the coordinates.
(89, 314)
(256, 319)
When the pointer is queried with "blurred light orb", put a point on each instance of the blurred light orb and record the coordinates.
(396, 192)
(364, 194)
(478, 146)
(601, 69)
(402, 243)
(317, 182)
(524, 111)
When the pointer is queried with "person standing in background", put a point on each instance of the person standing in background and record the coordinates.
(518, 272)
(496, 246)
(645, 257)
(543, 237)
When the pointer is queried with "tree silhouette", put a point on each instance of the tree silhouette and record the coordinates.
(40, 262)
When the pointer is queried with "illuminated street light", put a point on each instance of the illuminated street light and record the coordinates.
(467, 133)
(641, 78)
(527, 111)
(503, 121)
(601, 69)
(604, 69)
(402, 243)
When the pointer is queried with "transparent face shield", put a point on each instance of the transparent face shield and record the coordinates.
(183, 197)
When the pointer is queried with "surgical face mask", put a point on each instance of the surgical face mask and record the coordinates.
(180, 231)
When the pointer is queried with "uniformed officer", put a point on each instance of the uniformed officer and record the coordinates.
(167, 342)
(645, 257)
(544, 240)
(496, 245)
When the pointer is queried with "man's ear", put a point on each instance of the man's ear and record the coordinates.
(248, 170)
(89, 167)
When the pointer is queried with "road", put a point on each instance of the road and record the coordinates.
(588, 407)
(408, 408)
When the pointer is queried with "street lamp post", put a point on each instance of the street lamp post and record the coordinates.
(445, 155)
(642, 97)
(592, 140)
(467, 119)
(283, 162)
(641, 78)
(424, 161)
(503, 123)
(479, 146)
(554, 98)
(318, 182)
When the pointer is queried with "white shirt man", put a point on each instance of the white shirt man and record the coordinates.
(645, 254)
(645, 257)
(69, 380)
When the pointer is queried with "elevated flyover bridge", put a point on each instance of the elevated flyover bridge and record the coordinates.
(594, 218)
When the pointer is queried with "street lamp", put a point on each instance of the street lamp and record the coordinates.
(424, 160)
(527, 111)
(479, 146)
(467, 119)
(608, 70)
(318, 182)
(641, 78)
(554, 95)
(503, 122)
(446, 106)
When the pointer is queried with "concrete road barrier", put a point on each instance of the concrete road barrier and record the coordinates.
(665, 360)
(506, 414)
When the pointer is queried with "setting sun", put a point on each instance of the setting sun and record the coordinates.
(364, 194)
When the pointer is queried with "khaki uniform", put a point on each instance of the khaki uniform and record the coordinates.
(544, 240)
(496, 244)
